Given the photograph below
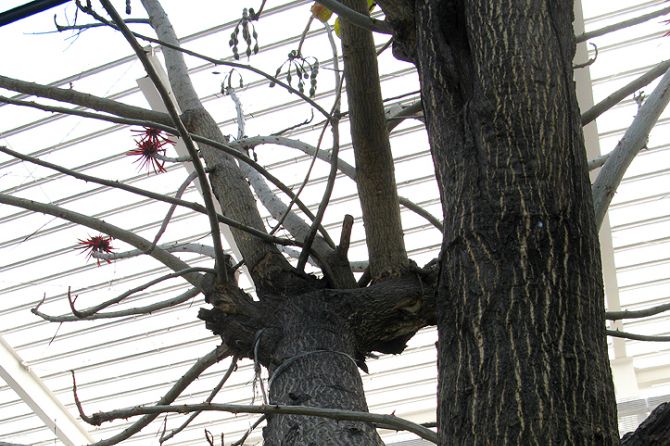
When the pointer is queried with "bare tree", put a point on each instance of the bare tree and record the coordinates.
(516, 292)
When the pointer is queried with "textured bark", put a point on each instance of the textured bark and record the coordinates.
(655, 430)
(375, 177)
(312, 340)
(522, 350)
(313, 365)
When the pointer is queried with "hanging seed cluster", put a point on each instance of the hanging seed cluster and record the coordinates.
(249, 34)
(227, 83)
(303, 69)
(129, 9)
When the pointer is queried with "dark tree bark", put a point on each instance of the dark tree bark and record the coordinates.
(655, 430)
(522, 350)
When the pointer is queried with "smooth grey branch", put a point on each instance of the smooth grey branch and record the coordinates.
(633, 140)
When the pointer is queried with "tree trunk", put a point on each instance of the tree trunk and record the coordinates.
(313, 365)
(522, 349)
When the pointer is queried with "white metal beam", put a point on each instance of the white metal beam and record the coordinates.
(40, 399)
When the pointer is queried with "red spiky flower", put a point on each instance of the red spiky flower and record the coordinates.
(97, 243)
(150, 146)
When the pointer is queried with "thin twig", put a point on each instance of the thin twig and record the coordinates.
(180, 191)
(335, 129)
(212, 394)
(182, 383)
(621, 25)
(147, 309)
(231, 64)
(590, 61)
(115, 184)
(242, 439)
(637, 337)
(90, 311)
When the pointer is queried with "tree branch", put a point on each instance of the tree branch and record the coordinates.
(182, 383)
(138, 242)
(628, 89)
(228, 183)
(214, 61)
(197, 248)
(74, 97)
(90, 311)
(118, 185)
(621, 25)
(633, 140)
(637, 337)
(348, 415)
(374, 161)
(232, 149)
(212, 394)
(147, 309)
(221, 264)
(279, 211)
(342, 166)
(628, 314)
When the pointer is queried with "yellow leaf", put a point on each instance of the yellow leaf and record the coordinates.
(336, 27)
(321, 12)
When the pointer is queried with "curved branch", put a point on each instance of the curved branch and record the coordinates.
(172, 262)
(115, 184)
(633, 140)
(628, 314)
(637, 337)
(147, 309)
